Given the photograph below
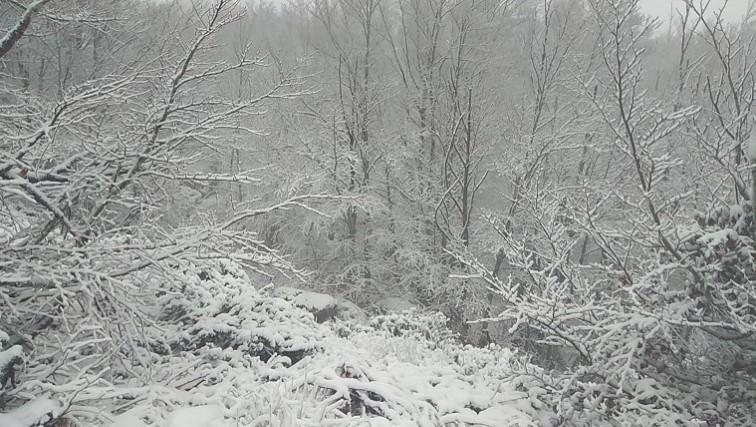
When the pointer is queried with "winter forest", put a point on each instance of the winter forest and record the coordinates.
(378, 213)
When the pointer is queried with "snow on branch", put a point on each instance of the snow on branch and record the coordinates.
(296, 201)
(13, 35)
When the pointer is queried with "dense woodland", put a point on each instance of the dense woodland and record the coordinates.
(560, 193)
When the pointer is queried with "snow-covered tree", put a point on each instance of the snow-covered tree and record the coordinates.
(88, 173)
(667, 306)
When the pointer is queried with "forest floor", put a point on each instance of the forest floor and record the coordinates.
(399, 369)
(223, 353)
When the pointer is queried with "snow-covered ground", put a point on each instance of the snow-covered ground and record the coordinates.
(227, 354)
(370, 377)
(398, 370)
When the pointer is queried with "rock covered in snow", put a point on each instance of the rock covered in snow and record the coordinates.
(503, 416)
(324, 307)
(198, 416)
(127, 420)
(496, 416)
(396, 304)
(37, 412)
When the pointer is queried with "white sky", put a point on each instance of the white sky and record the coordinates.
(734, 11)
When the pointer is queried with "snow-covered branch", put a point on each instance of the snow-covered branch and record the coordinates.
(13, 35)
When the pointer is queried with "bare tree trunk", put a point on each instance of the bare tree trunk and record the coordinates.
(752, 156)
(466, 203)
(753, 197)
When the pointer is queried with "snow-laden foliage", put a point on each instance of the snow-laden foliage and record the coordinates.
(665, 339)
(85, 168)
(36, 412)
(654, 345)
(9, 358)
(218, 306)
(373, 376)
(141, 154)
(644, 308)
(224, 353)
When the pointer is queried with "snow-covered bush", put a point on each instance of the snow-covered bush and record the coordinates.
(34, 412)
(721, 245)
(645, 310)
(669, 341)
(88, 169)
(9, 358)
(428, 326)
(217, 305)
(371, 377)
(404, 369)
(640, 339)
